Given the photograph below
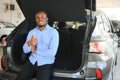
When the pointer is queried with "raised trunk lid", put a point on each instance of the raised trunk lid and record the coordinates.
(58, 10)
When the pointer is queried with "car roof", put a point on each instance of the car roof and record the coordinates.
(58, 10)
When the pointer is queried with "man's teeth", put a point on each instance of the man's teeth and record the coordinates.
(40, 22)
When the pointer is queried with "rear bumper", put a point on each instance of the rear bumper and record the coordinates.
(12, 76)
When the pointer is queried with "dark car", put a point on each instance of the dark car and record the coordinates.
(116, 24)
(88, 42)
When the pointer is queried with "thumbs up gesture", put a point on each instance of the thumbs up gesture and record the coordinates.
(32, 41)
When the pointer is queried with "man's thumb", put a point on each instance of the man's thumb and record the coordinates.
(33, 36)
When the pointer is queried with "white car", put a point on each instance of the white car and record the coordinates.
(6, 28)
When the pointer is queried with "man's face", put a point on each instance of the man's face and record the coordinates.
(41, 19)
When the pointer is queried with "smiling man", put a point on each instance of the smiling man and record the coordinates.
(42, 42)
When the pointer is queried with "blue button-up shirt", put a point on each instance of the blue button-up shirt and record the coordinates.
(46, 48)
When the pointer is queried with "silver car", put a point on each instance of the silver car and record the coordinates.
(88, 42)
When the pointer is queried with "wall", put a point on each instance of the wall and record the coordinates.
(6, 14)
(110, 7)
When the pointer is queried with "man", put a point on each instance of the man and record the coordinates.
(3, 40)
(42, 42)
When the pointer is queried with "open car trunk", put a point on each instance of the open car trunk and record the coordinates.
(70, 56)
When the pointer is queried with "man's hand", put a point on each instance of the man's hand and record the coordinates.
(32, 41)
(33, 49)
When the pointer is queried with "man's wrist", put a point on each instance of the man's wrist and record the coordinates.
(33, 49)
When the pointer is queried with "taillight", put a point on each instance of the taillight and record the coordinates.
(98, 47)
(3, 63)
(98, 74)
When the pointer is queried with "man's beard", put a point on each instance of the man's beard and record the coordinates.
(40, 25)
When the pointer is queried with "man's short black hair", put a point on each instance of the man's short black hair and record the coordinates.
(42, 12)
